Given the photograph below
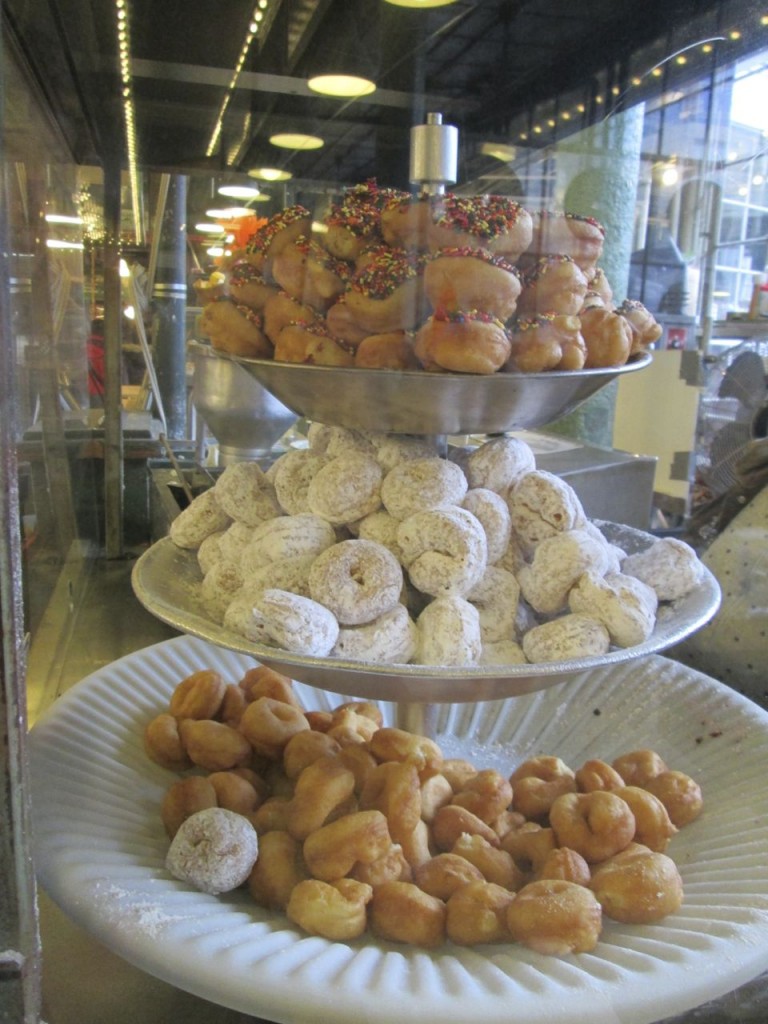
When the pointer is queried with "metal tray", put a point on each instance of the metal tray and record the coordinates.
(417, 402)
(166, 580)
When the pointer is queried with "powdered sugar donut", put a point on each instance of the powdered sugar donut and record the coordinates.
(200, 518)
(624, 604)
(502, 652)
(209, 552)
(297, 624)
(449, 633)
(558, 562)
(571, 636)
(245, 493)
(496, 596)
(287, 537)
(542, 505)
(381, 527)
(213, 850)
(493, 513)
(346, 488)
(234, 540)
(421, 484)
(391, 638)
(391, 450)
(292, 474)
(358, 580)
(499, 463)
(444, 550)
(239, 618)
(332, 440)
(669, 565)
(218, 587)
(284, 574)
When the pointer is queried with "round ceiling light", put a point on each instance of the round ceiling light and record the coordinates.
(238, 191)
(269, 174)
(209, 229)
(420, 3)
(294, 140)
(347, 86)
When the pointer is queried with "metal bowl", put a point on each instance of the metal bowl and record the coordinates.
(166, 580)
(417, 402)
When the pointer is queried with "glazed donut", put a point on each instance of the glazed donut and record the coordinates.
(280, 310)
(444, 551)
(680, 794)
(452, 821)
(309, 273)
(462, 342)
(449, 633)
(638, 886)
(472, 279)
(342, 325)
(268, 724)
(353, 224)
(292, 474)
(607, 336)
(625, 605)
(387, 294)
(496, 865)
(279, 231)
(490, 509)
(555, 917)
(310, 343)
(346, 488)
(334, 910)
(599, 290)
(436, 791)
(645, 329)
(278, 870)
(393, 788)
(201, 518)
(578, 237)
(332, 851)
(638, 767)
(541, 505)
(198, 695)
(422, 484)
(357, 580)
(670, 566)
(567, 865)
(163, 745)
(405, 221)
(401, 912)
(444, 874)
(235, 328)
(297, 624)
(597, 825)
(262, 681)
(547, 341)
(495, 223)
(654, 827)
(245, 493)
(499, 463)
(486, 794)
(213, 850)
(496, 596)
(538, 782)
(596, 774)
(392, 867)
(559, 563)
(391, 351)
(553, 284)
(570, 637)
(322, 787)
(391, 744)
(477, 913)
(304, 748)
(240, 789)
(212, 745)
(248, 287)
(287, 537)
(392, 638)
(529, 845)
(350, 727)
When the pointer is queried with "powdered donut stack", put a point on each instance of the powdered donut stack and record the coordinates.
(372, 547)
(448, 284)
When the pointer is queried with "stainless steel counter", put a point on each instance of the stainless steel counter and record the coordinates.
(84, 982)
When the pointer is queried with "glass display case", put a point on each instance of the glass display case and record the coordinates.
(142, 154)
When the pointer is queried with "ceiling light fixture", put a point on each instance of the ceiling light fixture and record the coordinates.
(499, 150)
(269, 174)
(295, 140)
(62, 218)
(129, 113)
(238, 191)
(229, 213)
(346, 86)
(209, 229)
(420, 3)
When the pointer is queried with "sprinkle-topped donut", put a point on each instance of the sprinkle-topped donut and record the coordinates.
(387, 294)
(492, 222)
(576, 236)
(462, 341)
(465, 278)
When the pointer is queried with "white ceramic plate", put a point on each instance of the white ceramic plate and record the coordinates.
(100, 850)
